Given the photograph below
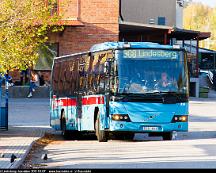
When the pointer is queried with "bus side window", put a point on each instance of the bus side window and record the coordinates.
(55, 78)
(76, 76)
(90, 76)
(102, 80)
(96, 73)
(61, 79)
(86, 72)
(67, 77)
(72, 77)
(81, 74)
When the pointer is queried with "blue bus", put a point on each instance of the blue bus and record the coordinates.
(117, 89)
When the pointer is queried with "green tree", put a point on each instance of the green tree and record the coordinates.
(200, 17)
(24, 25)
(213, 29)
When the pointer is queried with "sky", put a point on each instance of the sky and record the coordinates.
(211, 3)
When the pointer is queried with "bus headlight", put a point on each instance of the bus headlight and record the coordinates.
(121, 117)
(180, 118)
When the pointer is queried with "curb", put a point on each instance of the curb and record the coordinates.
(17, 164)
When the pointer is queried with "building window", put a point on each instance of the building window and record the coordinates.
(161, 21)
(46, 54)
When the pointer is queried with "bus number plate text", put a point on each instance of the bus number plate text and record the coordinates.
(151, 128)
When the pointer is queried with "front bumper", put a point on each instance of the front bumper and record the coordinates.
(122, 126)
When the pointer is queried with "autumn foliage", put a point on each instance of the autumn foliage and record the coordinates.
(201, 18)
(24, 25)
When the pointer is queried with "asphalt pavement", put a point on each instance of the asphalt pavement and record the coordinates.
(193, 149)
(29, 120)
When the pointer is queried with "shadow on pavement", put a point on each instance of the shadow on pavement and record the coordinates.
(196, 135)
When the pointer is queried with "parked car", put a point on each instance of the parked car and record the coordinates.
(212, 77)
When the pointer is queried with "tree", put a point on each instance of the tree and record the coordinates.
(213, 28)
(24, 25)
(201, 18)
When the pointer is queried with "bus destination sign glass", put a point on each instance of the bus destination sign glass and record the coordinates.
(150, 54)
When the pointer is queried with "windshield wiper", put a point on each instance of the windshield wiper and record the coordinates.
(167, 96)
(137, 96)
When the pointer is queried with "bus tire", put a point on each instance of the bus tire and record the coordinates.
(167, 136)
(101, 134)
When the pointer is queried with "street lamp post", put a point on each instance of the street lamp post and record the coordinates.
(0, 97)
(214, 60)
(4, 107)
(6, 103)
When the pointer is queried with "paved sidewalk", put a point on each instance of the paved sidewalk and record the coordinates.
(18, 140)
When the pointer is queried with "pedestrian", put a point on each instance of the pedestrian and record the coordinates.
(8, 78)
(34, 82)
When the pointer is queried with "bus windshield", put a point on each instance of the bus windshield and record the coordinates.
(151, 70)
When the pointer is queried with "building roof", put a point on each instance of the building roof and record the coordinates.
(204, 35)
(173, 32)
(185, 34)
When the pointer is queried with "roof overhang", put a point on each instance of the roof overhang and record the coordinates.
(204, 35)
(140, 27)
(184, 34)
(173, 32)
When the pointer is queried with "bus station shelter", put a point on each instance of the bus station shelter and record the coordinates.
(130, 31)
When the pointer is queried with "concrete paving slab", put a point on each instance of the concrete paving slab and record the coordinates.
(28, 121)
(18, 140)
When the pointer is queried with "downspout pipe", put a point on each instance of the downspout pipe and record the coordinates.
(120, 10)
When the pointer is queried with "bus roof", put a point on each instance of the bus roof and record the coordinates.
(135, 45)
(120, 45)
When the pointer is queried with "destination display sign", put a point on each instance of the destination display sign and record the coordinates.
(150, 54)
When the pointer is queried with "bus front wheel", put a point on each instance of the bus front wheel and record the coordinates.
(101, 134)
(167, 136)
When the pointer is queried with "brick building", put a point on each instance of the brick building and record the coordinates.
(94, 21)
(86, 22)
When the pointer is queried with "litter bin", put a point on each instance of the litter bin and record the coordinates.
(3, 105)
(203, 92)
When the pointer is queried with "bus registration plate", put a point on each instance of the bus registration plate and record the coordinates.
(151, 128)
